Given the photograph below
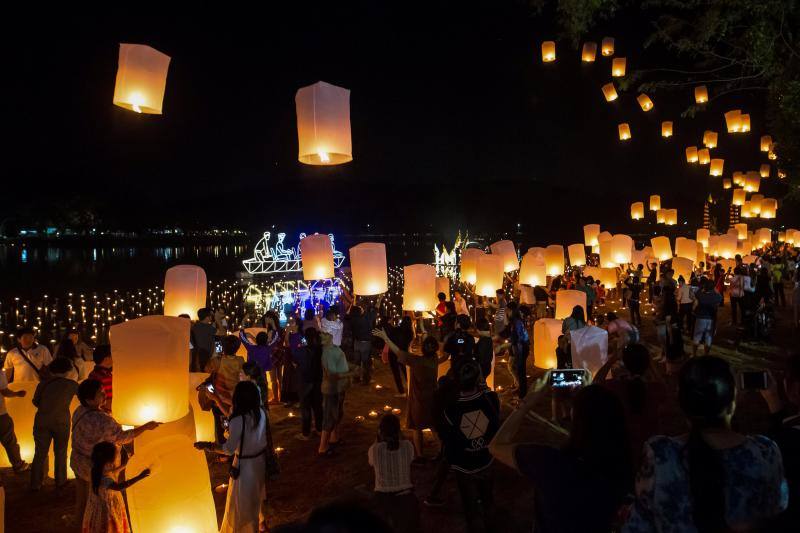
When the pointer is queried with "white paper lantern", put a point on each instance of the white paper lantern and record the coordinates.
(490, 275)
(507, 253)
(577, 254)
(566, 300)
(141, 78)
(185, 289)
(554, 259)
(316, 252)
(368, 266)
(323, 124)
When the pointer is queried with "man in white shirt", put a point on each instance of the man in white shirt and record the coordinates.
(24, 362)
(461, 304)
(7, 436)
(331, 324)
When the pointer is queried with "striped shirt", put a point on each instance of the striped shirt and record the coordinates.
(392, 467)
(103, 375)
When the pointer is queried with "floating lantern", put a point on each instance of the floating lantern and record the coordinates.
(715, 169)
(533, 271)
(701, 254)
(609, 92)
(756, 200)
(141, 78)
(671, 217)
(592, 272)
(22, 412)
(686, 248)
(691, 154)
(769, 208)
(746, 210)
(618, 67)
(683, 267)
(655, 202)
(489, 276)
(772, 154)
(589, 52)
(726, 246)
(554, 259)
(739, 196)
(745, 122)
(637, 210)
(792, 236)
(546, 332)
(548, 51)
(621, 247)
(738, 178)
(566, 300)
(710, 139)
(469, 264)
(537, 252)
(577, 254)
(666, 128)
(442, 287)
(368, 267)
(323, 124)
(661, 248)
(203, 420)
(741, 231)
(184, 290)
(703, 156)
(419, 287)
(726, 183)
(590, 233)
(526, 296)
(733, 120)
(606, 255)
(151, 369)
(607, 46)
(781, 174)
(763, 236)
(608, 277)
(702, 235)
(604, 236)
(661, 216)
(624, 131)
(644, 102)
(507, 253)
(701, 94)
(316, 254)
(766, 141)
(752, 181)
(764, 171)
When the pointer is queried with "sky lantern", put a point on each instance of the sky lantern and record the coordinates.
(609, 92)
(701, 253)
(661, 216)
(637, 210)
(715, 169)
(607, 46)
(590, 233)
(738, 178)
(368, 267)
(710, 139)
(184, 290)
(655, 202)
(727, 246)
(685, 248)
(566, 300)
(752, 181)
(490, 275)
(703, 156)
(739, 196)
(756, 199)
(644, 102)
(702, 235)
(546, 332)
(141, 78)
(683, 267)
(741, 231)
(766, 141)
(691, 154)
(323, 124)
(764, 171)
(554, 259)
(745, 122)
(618, 67)
(661, 248)
(22, 412)
(763, 236)
(621, 247)
(726, 183)
(605, 252)
(733, 120)
(666, 128)
(769, 208)
(316, 254)
(772, 155)
(469, 264)
(604, 236)
(419, 287)
(203, 420)
(701, 94)
(624, 131)
(608, 277)
(746, 209)
(151, 369)
(589, 52)
(532, 271)
(548, 51)
(577, 254)
(442, 286)
(508, 253)
(792, 236)
(671, 217)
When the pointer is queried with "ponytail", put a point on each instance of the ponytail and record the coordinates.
(389, 431)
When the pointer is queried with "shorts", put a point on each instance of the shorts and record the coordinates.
(332, 410)
(703, 331)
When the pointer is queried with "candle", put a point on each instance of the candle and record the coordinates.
(387, 408)
(396, 411)
(373, 414)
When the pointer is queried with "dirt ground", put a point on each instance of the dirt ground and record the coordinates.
(307, 481)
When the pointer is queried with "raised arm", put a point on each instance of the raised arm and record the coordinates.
(402, 355)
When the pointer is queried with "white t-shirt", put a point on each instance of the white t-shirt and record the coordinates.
(392, 468)
(335, 328)
(39, 356)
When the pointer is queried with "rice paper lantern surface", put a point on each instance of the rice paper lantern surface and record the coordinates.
(701, 94)
(589, 348)
(701, 254)
(655, 202)
(185, 288)
(624, 131)
(507, 252)
(621, 248)
(645, 102)
(203, 420)
(745, 118)
(468, 269)
(661, 248)
(419, 287)
(592, 272)
(604, 236)
(548, 51)
(710, 139)
(566, 300)
(763, 236)
(618, 65)
(532, 272)
(765, 142)
(691, 154)
(141, 78)
(323, 124)
(683, 267)
(703, 156)
(755, 207)
(607, 46)
(769, 208)
(608, 277)
(609, 92)
(661, 216)
(577, 254)
(726, 183)
(489, 275)
(22, 412)
(745, 210)
(442, 286)
(727, 246)
(637, 210)
(715, 169)
(589, 52)
(526, 295)
(686, 248)
(666, 128)
(741, 230)
(151, 369)
(590, 233)
(605, 250)
(702, 235)
(733, 120)
(671, 217)
(545, 341)
(739, 196)
(764, 171)
(554, 259)
(752, 182)
(368, 268)
(316, 254)
(738, 178)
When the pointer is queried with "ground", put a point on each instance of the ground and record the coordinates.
(307, 481)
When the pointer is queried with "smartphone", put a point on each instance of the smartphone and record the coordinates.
(210, 387)
(758, 380)
(218, 346)
(567, 378)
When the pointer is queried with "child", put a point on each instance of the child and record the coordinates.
(105, 509)
(601, 294)
(391, 459)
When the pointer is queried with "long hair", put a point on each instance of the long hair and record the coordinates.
(578, 315)
(246, 400)
(102, 454)
(706, 388)
(389, 431)
(636, 358)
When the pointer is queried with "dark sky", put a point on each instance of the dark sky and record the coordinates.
(455, 120)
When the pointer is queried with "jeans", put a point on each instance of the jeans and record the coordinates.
(636, 318)
(521, 351)
(42, 436)
(363, 356)
(736, 301)
(685, 316)
(9, 440)
(311, 404)
(476, 498)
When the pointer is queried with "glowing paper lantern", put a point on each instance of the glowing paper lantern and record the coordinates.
(532, 272)
(203, 420)
(141, 78)
(589, 52)
(608, 277)
(755, 205)
(733, 120)
(745, 122)
(715, 169)
(671, 217)
(710, 139)
(739, 196)
(554, 259)
(490, 275)
(766, 141)
(661, 248)
(368, 266)
(537, 252)
(546, 332)
(442, 286)
(701, 254)
(686, 248)
(702, 236)
(526, 295)
(769, 207)
(469, 264)
(323, 124)
(764, 171)
(316, 254)
(691, 154)
(577, 255)
(741, 231)
(666, 128)
(151, 369)
(22, 412)
(637, 210)
(683, 267)
(703, 156)
(763, 236)
(419, 287)
(644, 102)
(746, 210)
(772, 154)
(701, 94)
(726, 246)
(604, 236)
(726, 183)
(606, 255)
(655, 202)
(752, 182)
(590, 233)
(609, 92)
(661, 216)
(618, 67)
(607, 46)
(738, 178)
(589, 348)
(566, 300)
(548, 51)
(792, 236)
(621, 247)
(624, 131)
(507, 253)
(184, 290)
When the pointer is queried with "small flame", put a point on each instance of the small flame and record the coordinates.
(324, 157)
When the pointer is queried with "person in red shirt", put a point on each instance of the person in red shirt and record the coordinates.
(441, 308)
(102, 372)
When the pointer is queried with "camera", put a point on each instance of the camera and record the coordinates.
(758, 380)
(567, 378)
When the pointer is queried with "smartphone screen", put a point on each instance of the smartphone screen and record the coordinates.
(210, 387)
(567, 378)
(218, 346)
(753, 380)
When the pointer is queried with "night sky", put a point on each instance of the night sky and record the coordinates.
(455, 121)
